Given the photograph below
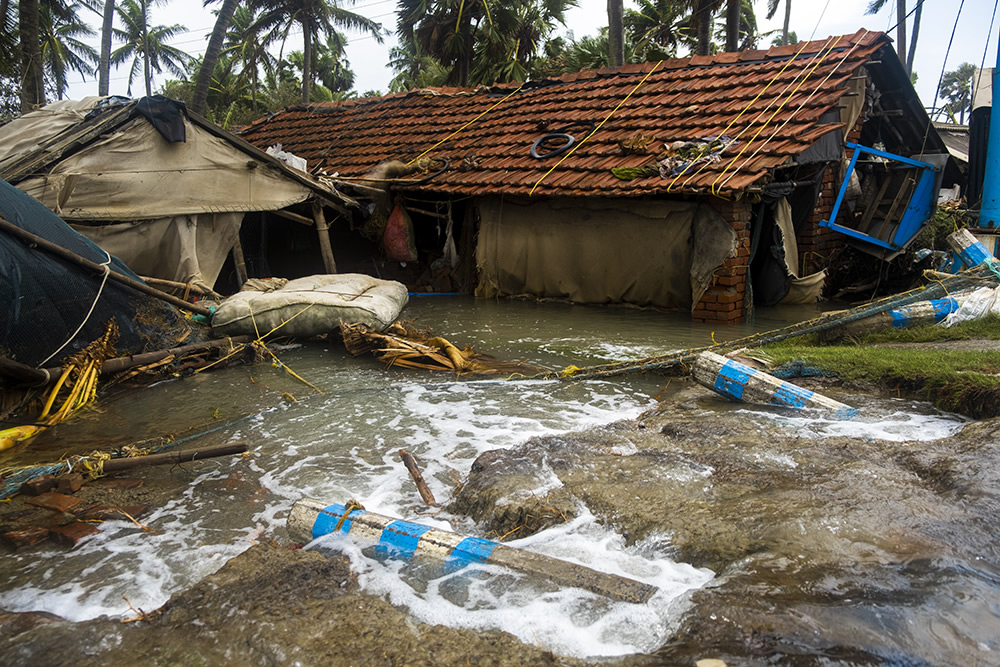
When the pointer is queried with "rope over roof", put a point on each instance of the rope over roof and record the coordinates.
(770, 101)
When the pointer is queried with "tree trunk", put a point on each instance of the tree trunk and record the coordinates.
(208, 63)
(104, 66)
(465, 62)
(901, 30)
(306, 59)
(913, 39)
(32, 82)
(788, 18)
(616, 34)
(145, 48)
(734, 14)
(704, 23)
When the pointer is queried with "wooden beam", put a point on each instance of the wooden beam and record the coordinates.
(295, 217)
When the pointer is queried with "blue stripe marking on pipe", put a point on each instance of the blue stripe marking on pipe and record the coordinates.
(469, 550)
(943, 308)
(792, 396)
(399, 539)
(327, 520)
(900, 318)
(732, 379)
(974, 255)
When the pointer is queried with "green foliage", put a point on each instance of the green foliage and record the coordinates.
(962, 380)
(934, 234)
(956, 88)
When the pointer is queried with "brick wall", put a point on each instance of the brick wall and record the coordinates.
(723, 300)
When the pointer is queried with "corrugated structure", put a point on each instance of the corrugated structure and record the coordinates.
(763, 112)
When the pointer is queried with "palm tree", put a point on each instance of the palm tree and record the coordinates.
(772, 9)
(658, 28)
(62, 50)
(32, 80)
(146, 46)
(480, 40)
(315, 17)
(701, 17)
(746, 28)
(414, 69)
(245, 45)
(222, 20)
(956, 87)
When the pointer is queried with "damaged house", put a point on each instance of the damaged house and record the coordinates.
(170, 193)
(698, 183)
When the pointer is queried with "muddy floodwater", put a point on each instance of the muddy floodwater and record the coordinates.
(773, 538)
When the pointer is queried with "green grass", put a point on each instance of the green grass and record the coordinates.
(965, 381)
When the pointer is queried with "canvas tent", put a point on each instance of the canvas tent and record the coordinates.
(161, 188)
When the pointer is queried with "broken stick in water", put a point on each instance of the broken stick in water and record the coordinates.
(418, 479)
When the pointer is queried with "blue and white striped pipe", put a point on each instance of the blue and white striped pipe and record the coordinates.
(971, 251)
(923, 312)
(739, 382)
(395, 538)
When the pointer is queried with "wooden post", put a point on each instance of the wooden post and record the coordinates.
(323, 232)
(240, 262)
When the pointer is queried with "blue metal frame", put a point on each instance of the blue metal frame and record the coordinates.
(920, 206)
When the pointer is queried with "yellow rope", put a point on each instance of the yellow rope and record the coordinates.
(745, 109)
(349, 507)
(790, 117)
(594, 131)
(466, 125)
(766, 123)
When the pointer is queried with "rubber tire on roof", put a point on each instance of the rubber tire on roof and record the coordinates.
(568, 138)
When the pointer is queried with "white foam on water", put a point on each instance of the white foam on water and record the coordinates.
(876, 422)
(568, 621)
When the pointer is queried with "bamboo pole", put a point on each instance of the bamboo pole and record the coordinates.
(418, 479)
(119, 364)
(173, 284)
(127, 463)
(59, 251)
(323, 232)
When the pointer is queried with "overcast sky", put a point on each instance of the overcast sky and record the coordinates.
(809, 18)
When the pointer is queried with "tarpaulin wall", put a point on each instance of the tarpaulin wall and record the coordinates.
(43, 298)
(649, 253)
(184, 248)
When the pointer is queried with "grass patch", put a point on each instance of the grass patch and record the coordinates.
(964, 381)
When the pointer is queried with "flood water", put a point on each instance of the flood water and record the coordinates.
(342, 444)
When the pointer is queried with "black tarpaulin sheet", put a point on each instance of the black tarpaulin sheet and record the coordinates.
(44, 298)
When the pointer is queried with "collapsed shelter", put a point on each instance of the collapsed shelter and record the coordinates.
(168, 192)
(696, 183)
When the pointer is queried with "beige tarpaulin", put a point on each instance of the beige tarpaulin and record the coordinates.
(657, 253)
(25, 132)
(184, 248)
(135, 174)
(804, 289)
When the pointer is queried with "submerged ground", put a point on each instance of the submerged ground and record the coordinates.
(775, 537)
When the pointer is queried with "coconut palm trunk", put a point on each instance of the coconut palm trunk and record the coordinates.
(704, 25)
(901, 30)
(733, 15)
(913, 38)
(616, 34)
(32, 83)
(788, 19)
(104, 66)
(208, 63)
(307, 56)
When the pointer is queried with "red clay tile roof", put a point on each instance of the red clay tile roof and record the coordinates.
(771, 101)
